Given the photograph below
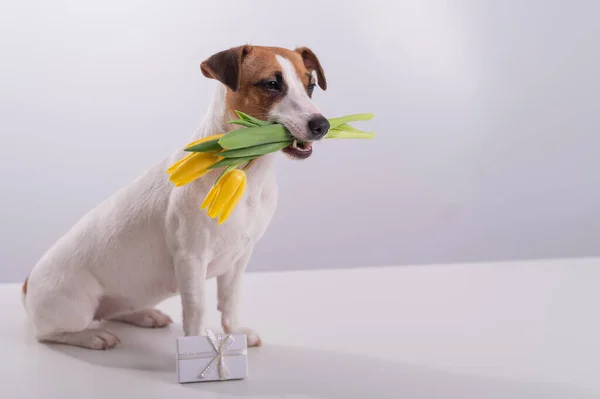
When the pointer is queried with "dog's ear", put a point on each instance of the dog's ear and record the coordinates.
(226, 66)
(311, 62)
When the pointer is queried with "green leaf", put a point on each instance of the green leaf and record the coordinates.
(257, 150)
(251, 119)
(211, 145)
(251, 136)
(257, 133)
(347, 128)
(340, 134)
(241, 122)
(346, 131)
(335, 122)
(232, 162)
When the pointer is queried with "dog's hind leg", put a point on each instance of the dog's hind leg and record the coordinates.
(65, 315)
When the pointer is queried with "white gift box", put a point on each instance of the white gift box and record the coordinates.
(212, 358)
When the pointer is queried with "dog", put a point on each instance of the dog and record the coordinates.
(150, 241)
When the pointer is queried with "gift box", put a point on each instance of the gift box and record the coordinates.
(212, 358)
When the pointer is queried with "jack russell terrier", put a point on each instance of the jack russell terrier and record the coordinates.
(150, 241)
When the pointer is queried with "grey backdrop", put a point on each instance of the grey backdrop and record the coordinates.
(487, 117)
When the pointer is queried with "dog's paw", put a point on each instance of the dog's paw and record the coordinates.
(99, 339)
(93, 338)
(148, 318)
(252, 337)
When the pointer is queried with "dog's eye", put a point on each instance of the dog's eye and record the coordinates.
(272, 85)
(310, 88)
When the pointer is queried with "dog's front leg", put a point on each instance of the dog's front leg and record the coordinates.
(190, 272)
(229, 287)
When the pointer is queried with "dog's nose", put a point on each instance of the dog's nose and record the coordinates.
(318, 126)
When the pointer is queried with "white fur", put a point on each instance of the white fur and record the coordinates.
(148, 242)
(296, 108)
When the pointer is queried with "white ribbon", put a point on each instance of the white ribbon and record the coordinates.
(221, 346)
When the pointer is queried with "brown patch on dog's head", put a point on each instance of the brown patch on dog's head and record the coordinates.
(252, 74)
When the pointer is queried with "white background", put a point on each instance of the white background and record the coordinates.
(487, 117)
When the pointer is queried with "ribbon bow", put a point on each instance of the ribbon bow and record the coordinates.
(221, 345)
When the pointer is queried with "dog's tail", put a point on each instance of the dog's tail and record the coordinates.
(24, 291)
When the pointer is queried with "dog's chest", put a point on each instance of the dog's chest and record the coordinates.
(247, 223)
(253, 214)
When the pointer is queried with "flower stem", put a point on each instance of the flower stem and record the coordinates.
(249, 164)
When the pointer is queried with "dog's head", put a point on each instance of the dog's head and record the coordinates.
(274, 84)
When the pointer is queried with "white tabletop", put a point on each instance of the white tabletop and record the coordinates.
(503, 330)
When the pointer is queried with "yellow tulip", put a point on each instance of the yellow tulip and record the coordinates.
(184, 159)
(225, 195)
(193, 167)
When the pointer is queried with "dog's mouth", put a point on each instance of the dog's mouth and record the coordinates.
(299, 149)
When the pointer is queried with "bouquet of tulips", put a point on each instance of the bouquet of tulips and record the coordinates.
(235, 151)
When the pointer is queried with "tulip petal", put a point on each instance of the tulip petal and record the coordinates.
(184, 163)
(190, 177)
(229, 185)
(213, 206)
(210, 197)
(233, 203)
(194, 167)
(188, 156)
(176, 164)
